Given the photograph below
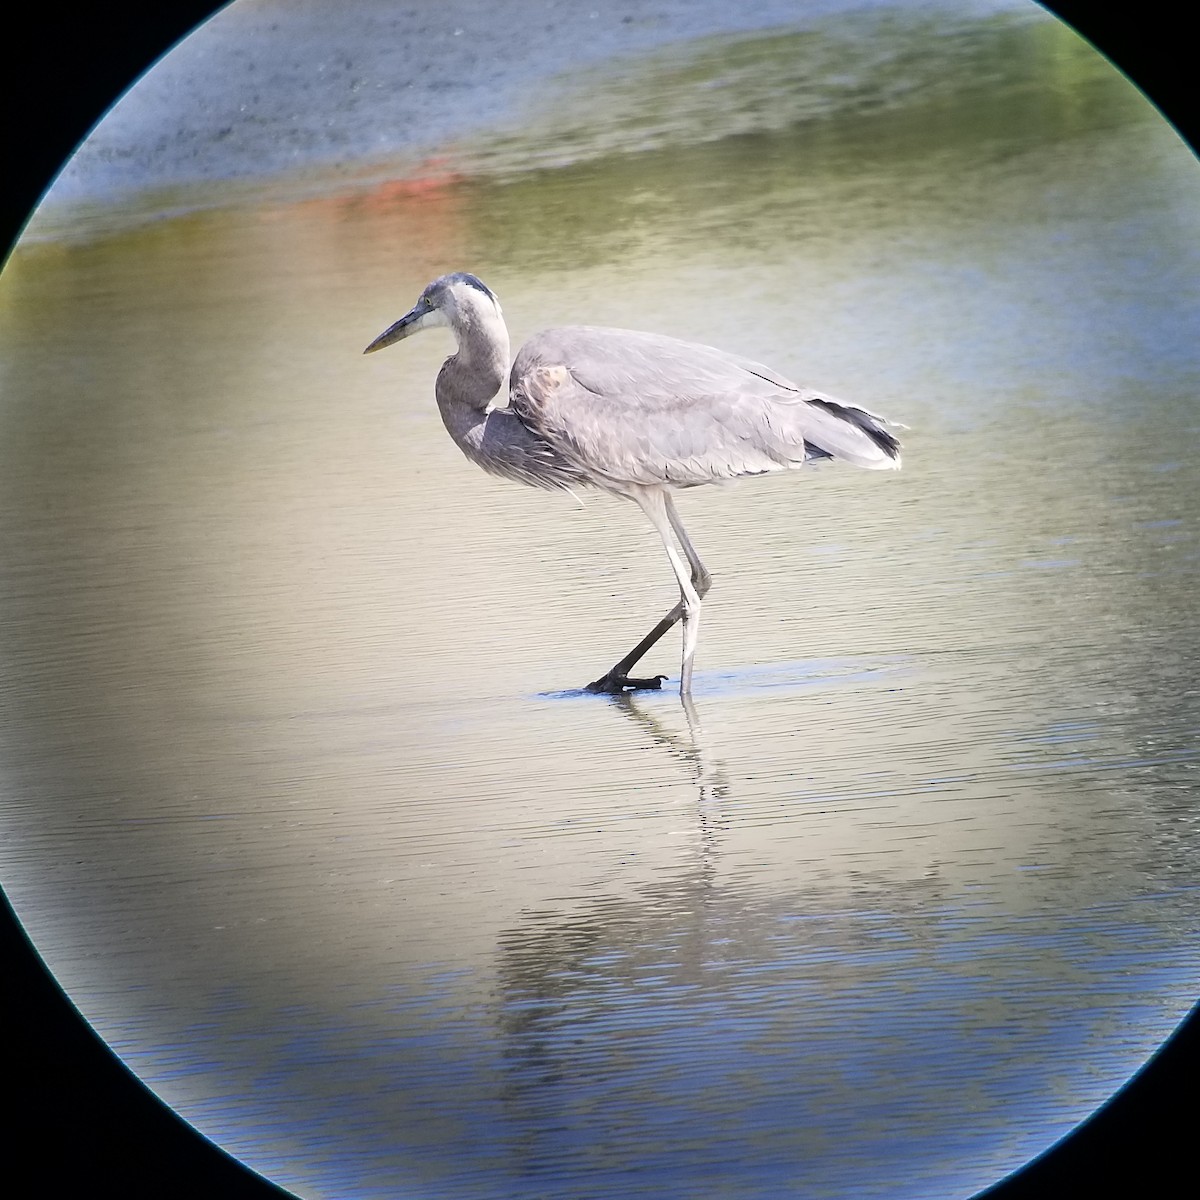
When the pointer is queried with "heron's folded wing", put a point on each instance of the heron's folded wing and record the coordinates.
(630, 407)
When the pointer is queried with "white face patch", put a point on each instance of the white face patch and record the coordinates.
(430, 320)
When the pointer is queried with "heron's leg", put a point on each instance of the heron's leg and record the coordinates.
(656, 504)
(701, 579)
(617, 679)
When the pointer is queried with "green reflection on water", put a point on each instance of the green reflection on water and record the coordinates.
(795, 128)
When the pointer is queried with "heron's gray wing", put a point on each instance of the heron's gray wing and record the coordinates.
(630, 407)
(504, 445)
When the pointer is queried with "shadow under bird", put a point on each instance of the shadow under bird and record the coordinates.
(635, 414)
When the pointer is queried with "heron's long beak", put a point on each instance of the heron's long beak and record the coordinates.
(405, 327)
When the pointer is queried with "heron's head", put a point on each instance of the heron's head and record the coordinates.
(459, 301)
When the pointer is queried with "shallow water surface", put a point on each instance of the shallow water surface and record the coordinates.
(303, 803)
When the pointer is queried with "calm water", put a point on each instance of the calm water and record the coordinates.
(301, 805)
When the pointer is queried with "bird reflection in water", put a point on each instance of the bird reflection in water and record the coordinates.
(690, 749)
(565, 972)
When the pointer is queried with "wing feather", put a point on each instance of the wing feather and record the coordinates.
(636, 408)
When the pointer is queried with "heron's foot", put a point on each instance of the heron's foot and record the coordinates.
(614, 685)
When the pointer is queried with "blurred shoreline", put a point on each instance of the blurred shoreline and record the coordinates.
(300, 96)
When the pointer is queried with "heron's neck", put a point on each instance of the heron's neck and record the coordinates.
(474, 375)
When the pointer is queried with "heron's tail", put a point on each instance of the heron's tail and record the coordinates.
(837, 430)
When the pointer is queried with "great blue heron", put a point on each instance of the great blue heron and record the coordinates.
(635, 414)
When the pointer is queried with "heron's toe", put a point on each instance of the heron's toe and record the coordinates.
(614, 685)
